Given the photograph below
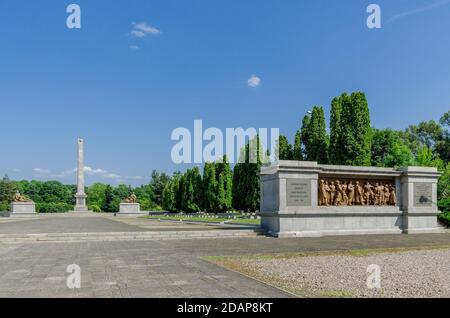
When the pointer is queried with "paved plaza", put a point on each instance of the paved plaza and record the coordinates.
(154, 267)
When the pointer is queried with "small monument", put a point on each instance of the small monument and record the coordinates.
(130, 206)
(80, 196)
(22, 206)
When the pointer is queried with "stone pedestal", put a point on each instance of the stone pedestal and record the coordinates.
(419, 199)
(80, 204)
(290, 204)
(23, 209)
(130, 209)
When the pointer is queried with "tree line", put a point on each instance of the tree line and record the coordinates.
(349, 140)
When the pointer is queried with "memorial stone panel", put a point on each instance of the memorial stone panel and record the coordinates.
(298, 192)
(423, 194)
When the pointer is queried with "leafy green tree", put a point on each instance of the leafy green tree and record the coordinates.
(362, 129)
(96, 195)
(7, 189)
(245, 179)
(189, 201)
(107, 205)
(145, 197)
(157, 184)
(388, 150)
(210, 187)
(298, 155)
(238, 190)
(427, 133)
(285, 149)
(336, 155)
(305, 134)
(317, 144)
(444, 183)
(442, 147)
(426, 158)
(169, 196)
(351, 130)
(445, 119)
(224, 185)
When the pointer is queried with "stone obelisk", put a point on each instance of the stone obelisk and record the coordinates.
(80, 196)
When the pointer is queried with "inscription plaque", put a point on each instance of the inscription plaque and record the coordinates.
(298, 192)
(423, 194)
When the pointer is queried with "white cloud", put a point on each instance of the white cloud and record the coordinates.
(134, 177)
(142, 29)
(134, 47)
(41, 171)
(254, 81)
(95, 173)
(137, 34)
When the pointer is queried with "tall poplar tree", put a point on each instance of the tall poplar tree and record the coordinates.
(362, 130)
(336, 155)
(351, 133)
(317, 143)
(224, 184)
(305, 134)
(169, 197)
(209, 187)
(285, 150)
(297, 155)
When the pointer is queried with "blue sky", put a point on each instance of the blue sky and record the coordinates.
(125, 91)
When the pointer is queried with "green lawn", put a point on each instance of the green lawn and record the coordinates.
(209, 219)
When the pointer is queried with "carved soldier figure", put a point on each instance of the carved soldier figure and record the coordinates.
(368, 193)
(393, 196)
(376, 194)
(359, 194)
(380, 193)
(344, 193)
(323, 193)
(387, 195)
(332, 192)
(328, 192)
(351, 193)
(339, 194)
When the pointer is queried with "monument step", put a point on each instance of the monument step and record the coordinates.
(125, 236)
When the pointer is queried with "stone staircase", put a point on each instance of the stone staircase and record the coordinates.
(127, 236)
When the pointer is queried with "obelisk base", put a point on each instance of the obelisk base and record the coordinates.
(80, 206)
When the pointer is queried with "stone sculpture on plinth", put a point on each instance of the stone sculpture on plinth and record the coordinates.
(21, 206)
(130, 206)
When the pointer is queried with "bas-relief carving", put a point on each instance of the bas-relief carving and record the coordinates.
(356, 192)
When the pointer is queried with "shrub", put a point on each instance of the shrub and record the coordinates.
(53, 207)
(444, 206)
(445, 218)
(94, 208)
(4, 206)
